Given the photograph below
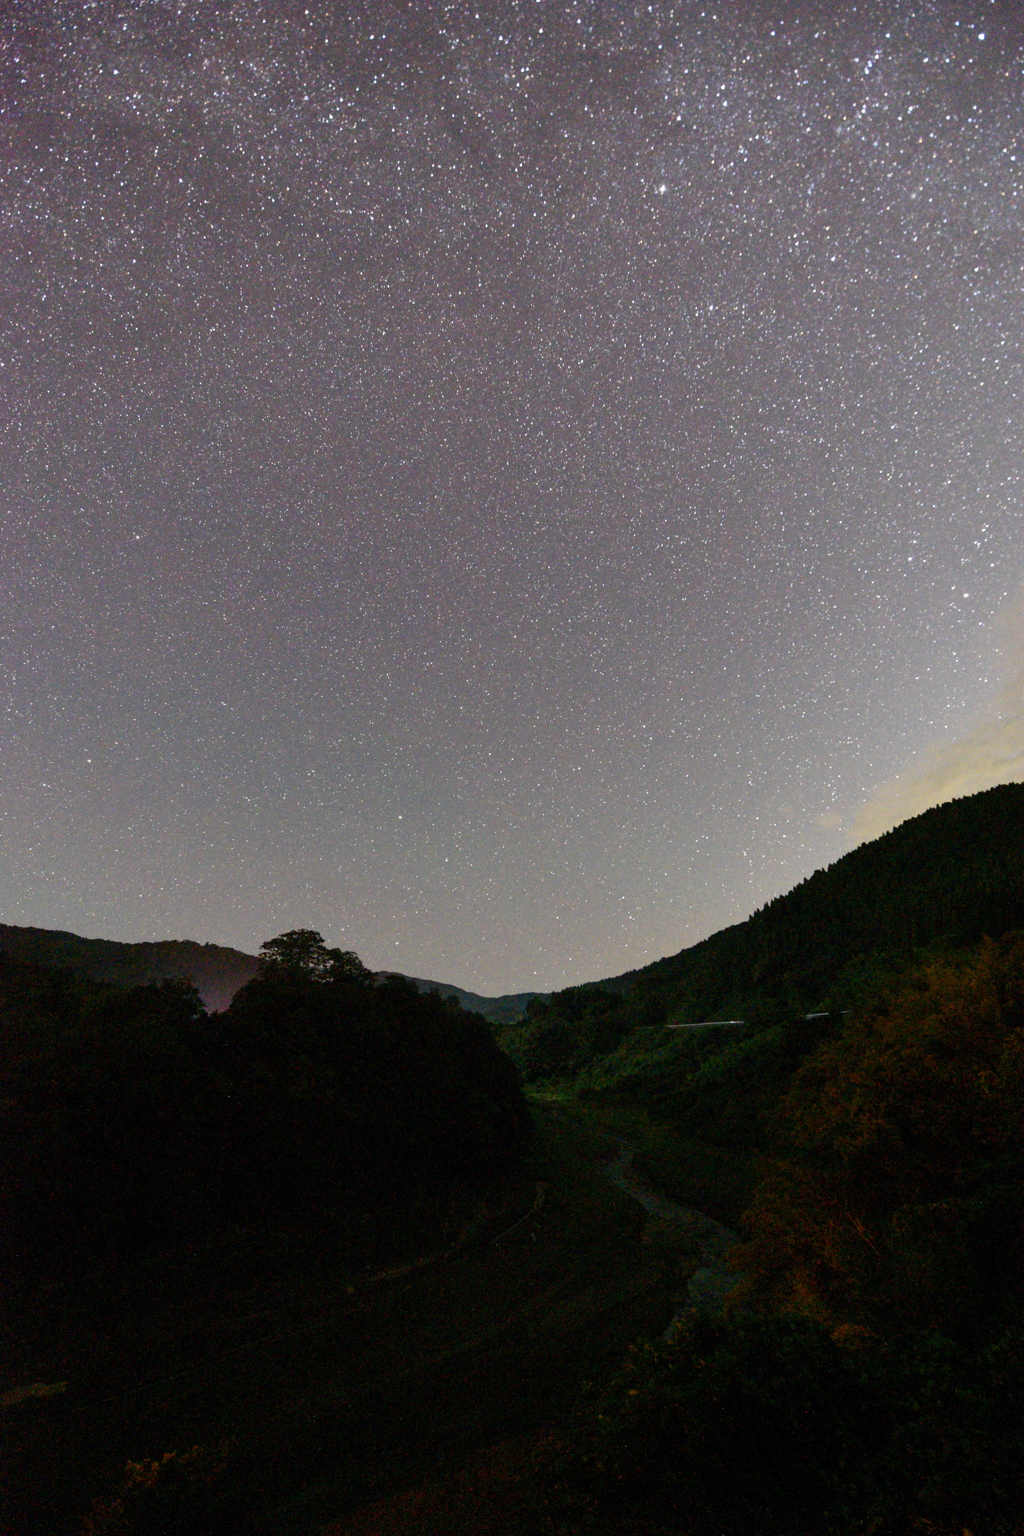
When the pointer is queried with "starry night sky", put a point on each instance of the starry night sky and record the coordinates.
(513, 487)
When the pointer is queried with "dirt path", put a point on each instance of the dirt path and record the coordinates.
(707, 1240)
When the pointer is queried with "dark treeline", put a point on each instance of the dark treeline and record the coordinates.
(943, 879)
(130, 1116)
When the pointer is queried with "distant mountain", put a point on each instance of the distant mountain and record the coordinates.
(217, 971)
(507, 1009)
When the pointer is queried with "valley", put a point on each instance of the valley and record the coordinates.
(347, 1258)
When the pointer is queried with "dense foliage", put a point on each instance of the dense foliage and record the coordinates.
(870, 1379)
(897, 1193)
(871, 1376)
(767, 1426)
(130, 1116)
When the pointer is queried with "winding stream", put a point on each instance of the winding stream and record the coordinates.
(708, 1240)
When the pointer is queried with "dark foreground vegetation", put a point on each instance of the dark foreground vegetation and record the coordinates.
(131, 1117)
(866, 1380)
(156, 1162)
(869, 1375)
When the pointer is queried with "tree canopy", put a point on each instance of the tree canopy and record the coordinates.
(898, 1187)
(302, 951)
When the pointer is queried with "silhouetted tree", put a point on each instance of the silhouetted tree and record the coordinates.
(302, 951)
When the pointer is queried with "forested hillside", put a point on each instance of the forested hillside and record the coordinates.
(938, 883)
(868, 1378)
(216, 971)
(942, 879)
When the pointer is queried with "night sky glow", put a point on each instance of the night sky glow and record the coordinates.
(503, 485)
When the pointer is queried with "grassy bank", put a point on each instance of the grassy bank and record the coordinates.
(718, 1180)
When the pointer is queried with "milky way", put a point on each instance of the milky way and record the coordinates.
(501, 485)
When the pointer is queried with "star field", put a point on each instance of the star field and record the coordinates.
(499, 484)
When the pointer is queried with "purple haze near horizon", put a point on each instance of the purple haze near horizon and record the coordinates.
(500, 485)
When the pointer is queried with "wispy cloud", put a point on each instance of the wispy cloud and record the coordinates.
(991, 752)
